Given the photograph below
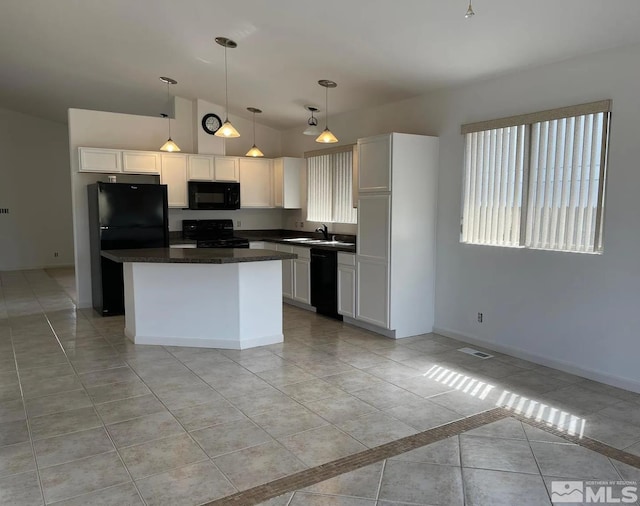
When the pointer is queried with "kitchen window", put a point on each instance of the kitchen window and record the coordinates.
(537, 180)
(329, 186)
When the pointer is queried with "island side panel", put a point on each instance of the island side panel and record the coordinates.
(260, 302)
(183, 304)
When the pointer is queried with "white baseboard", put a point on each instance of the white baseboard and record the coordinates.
(301, 305)
(205, 343)
(616, 381)
(369, 326)
(36, 267)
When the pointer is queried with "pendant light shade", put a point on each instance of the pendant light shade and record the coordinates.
(169, 146)
(326, 136)
(254, 151)
(470, 12)
(312, 122)
(227, 130)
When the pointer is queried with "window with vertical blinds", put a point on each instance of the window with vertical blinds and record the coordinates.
(537, 181)
(329, 181)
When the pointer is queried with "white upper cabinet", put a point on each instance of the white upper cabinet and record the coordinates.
(141, 162)
(226, 168)
(374, 164)
(256, 182)
(100, 160)
(174, 175)
(287, 173)
(200, 167)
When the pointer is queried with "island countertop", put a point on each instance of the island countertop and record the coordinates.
(195, 255)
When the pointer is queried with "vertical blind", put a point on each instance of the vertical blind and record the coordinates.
(538, 183)
(565, 183)
(329, 188)
(494, 171)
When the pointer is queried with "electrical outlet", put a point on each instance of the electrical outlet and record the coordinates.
(55, 254)
(238, 223)
(302, 224)
(480, 317)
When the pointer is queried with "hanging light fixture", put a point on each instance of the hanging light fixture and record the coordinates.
(169, 145)
(326, 136)
(254, 151)
(470, 12)
(312, 122)
(227, 129)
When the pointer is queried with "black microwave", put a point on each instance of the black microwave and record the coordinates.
(204, 195)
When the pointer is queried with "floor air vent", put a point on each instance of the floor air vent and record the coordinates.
(475, 353)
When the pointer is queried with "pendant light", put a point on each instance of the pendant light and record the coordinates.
(470, 12)
(169, 145)
(254, 151)
(312, 122)
(226, 130)
(326, 136)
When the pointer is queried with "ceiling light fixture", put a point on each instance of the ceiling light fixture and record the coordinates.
(254, 151)
(470, 12)
(326, 136)
(226, 130)
(312, 122)
(169, 145)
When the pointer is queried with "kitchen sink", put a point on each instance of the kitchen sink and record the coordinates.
(309, 240)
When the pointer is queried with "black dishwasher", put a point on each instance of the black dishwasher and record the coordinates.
(324, 282)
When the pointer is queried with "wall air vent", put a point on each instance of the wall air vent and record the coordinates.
(475, 353)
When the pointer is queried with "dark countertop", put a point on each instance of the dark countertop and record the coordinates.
(195, 255)
(279, 236)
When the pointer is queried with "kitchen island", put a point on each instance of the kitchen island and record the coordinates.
(209, 298)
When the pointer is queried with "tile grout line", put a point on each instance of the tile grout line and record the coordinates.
(84, 388)
(24, 407)
(355, 461)
(584, 441)
(535, 459)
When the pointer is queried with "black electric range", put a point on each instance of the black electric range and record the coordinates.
(212, 234)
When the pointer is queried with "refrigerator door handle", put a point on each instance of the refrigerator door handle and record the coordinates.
(105, 228)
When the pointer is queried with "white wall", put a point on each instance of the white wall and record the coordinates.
(34, 185)
(267, 139)
(576, 312)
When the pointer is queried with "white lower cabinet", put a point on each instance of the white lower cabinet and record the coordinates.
(174, 175)
(287, 271)
(302, 275)
(257, 245)
(347, 284)
(372, 281)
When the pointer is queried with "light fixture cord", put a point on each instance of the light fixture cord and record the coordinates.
(226, 85)
(254, 128)
(169, 103)
(326, 104)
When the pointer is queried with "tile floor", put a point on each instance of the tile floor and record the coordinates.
(86, 417)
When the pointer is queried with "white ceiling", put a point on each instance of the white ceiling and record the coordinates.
(108, 54)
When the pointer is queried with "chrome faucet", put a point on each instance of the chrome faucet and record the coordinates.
(324, 230)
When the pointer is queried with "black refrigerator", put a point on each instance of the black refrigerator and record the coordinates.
(122, 216)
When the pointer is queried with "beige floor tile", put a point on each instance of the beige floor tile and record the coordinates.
(82, 476)
(186, 486)
(161, 455)
(77, 445)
